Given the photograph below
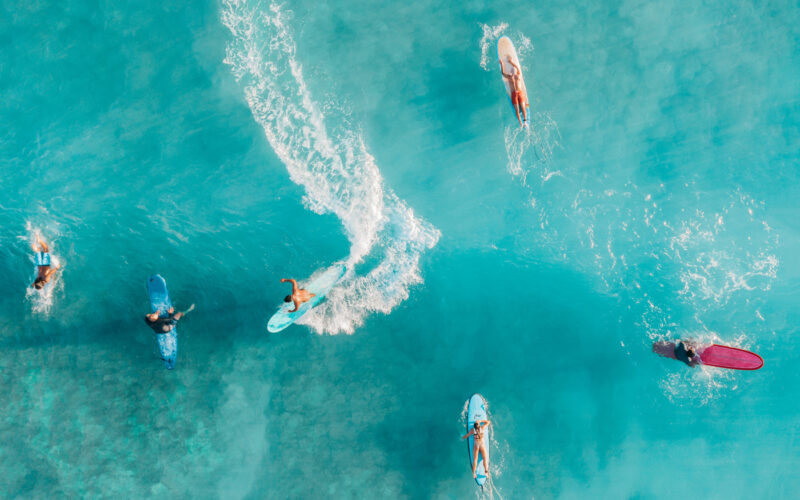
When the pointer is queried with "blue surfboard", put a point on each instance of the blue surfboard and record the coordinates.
(477, 411)
(320, 287)
(160, 301)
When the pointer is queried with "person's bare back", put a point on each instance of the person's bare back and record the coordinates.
(298, 295)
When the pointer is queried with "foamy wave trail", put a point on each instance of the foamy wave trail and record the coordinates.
(335, 168)
(490, 34)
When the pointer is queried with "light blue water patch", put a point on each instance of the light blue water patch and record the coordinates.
(227, 145)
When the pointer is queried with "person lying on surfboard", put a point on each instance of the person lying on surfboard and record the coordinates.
(479, 445)
(44, 272)
(684, 351)
(298, 296)
(165, 325)
(517, 99)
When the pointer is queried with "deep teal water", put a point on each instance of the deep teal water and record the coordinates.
(227, 145)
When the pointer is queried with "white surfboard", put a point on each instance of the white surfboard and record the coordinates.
(504, 49)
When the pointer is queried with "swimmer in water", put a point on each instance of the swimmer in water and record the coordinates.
(479, 445)
(514, 78)
(298, 296)
(44, 271)
(685, 351)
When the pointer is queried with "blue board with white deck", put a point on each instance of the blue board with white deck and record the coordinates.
(477, 410)
(320, 286)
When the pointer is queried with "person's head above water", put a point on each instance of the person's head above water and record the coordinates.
(476, 425)
(38, 284)
(288, 298)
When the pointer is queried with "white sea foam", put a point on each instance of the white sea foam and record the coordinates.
(490, 34)
(331, 163)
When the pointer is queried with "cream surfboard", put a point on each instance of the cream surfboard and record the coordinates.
(505, 49)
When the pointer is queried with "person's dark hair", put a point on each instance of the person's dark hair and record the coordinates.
(38, 284)
(476, 425)
(288, 298)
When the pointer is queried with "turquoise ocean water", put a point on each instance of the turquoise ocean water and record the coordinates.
(228, 144)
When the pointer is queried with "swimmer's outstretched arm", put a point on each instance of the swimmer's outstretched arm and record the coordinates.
(465, 436)
(296, 306)
(511, 61)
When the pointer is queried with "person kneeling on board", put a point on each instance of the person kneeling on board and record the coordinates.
(298, 295)
(685, 352)
(165, 325)
(44, 272)
(479, 445)
(517, 99)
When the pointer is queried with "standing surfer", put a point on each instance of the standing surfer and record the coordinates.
(298, 295)
(44, 271)
(517, 99)
(479, 430)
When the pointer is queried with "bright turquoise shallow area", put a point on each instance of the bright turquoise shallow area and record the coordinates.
(227, 145)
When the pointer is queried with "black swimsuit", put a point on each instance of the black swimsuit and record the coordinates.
(158, 325)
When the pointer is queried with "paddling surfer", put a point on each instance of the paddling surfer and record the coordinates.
(480, 431)
(167, 323)
(44, 271)
(514, 77)
(298, 295)
(684, 351)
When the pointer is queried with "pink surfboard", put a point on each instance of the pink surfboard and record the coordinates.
(730, 357)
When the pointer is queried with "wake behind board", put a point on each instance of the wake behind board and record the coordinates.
(160, 302)
(476, 410)
(504, 49)
(730, 357)
(319, 287)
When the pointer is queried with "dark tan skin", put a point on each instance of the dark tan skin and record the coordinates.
(479, 445)
(43, 273)
(299, 295)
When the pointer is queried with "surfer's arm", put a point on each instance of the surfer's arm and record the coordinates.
(296, 306)
(511, 61)
(465, 436)
(505, 75)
